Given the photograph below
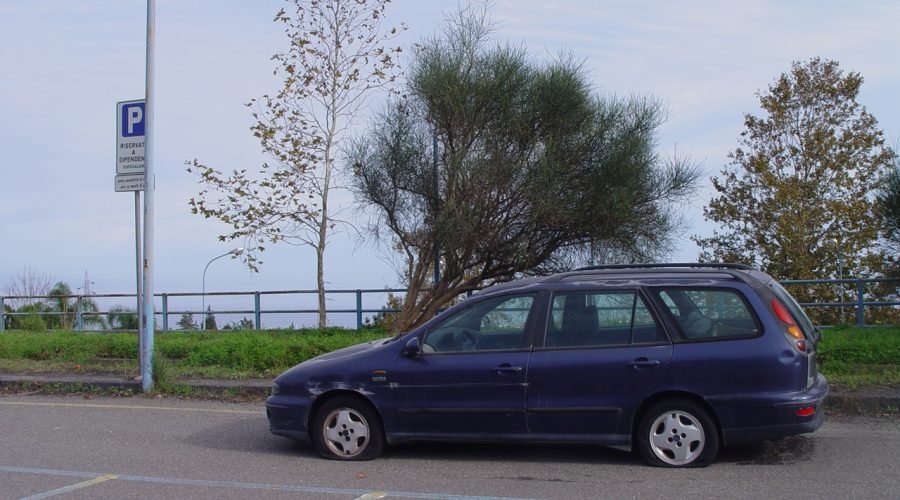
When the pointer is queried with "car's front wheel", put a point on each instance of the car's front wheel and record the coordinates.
(677, 433)
(347, 428)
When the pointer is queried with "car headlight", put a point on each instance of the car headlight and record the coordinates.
(276, 389)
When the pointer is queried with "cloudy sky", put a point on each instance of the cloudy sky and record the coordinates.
(65, 64)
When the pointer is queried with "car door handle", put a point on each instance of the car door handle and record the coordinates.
(644, 363)
(506, 369)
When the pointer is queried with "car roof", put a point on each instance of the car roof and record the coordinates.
(636, 274)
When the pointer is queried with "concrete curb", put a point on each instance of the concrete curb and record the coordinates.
(83, 383)
(865, 400)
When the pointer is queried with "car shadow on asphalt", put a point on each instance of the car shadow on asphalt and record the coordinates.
(248, 435)
(252, 435)
(503, 452)
(787, 450)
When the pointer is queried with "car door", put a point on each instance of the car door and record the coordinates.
(469, 379)
(603, 353)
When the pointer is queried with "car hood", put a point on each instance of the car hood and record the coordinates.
(351, 351)
(328, 363)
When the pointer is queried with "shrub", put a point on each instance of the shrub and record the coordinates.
(32, 323)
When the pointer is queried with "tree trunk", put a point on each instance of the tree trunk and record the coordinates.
(320, 276)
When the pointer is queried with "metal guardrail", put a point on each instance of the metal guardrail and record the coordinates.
(859, 304)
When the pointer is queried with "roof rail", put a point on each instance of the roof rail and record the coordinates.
(696, 265)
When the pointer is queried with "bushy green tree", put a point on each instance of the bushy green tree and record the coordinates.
(122, 318)
(889, 205)
(209, 320)
(797, 197)
(889, 211)
(187, 322)
(535, 170)
(60, 301)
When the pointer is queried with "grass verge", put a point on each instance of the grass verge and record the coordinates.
(853, 357)
(849, 357)
(179, 355)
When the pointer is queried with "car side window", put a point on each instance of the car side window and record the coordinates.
(709, 313)
(494, 324)
(592, 319)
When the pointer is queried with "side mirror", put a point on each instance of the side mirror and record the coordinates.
(412, 348)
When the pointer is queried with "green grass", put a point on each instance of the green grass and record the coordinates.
(849, 357)
(232, 354)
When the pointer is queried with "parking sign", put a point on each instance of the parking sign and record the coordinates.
(130, 137)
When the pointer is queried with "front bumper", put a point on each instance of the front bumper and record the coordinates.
(287, 416)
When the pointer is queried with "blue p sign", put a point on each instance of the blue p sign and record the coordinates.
(132, 119)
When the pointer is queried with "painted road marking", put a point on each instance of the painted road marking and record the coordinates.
(375, 495)
(131, 407)
(71, 487)
(249, 486)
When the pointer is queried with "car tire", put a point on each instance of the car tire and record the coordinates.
(677, 433)
(347, 428)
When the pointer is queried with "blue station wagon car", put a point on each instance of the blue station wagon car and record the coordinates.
(671, 360)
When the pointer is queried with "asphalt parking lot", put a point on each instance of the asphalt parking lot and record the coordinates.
(72, 447)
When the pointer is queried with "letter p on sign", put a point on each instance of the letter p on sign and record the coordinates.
(133, 120)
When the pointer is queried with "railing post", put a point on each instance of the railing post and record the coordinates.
(359, 318)
(79, 314)
(860, 303)
(2, 316)
(165, 312)
(257, 313)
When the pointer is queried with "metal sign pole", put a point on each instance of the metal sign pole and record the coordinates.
(150, 138)
(137, 266)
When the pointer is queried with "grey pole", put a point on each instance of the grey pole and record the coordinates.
(236, 251)
(147, 322)
(841, 277)
(137, 264)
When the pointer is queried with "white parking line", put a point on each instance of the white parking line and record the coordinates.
(354, 493)
(71, 487)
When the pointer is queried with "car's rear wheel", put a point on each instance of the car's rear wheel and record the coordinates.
(677, 433)
(347, 428)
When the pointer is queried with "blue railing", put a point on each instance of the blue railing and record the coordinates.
(859, 304)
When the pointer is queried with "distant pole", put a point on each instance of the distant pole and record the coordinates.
(236, 251)
(147, 321)
(841, 278)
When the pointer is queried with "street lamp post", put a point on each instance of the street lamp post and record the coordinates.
(236, 251)
(840, 263)
(841, 278)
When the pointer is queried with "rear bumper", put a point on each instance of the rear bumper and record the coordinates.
(770, 416)
(287, 416)
(752, 434)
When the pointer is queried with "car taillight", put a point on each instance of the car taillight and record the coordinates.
(805, 412)
(792, 329)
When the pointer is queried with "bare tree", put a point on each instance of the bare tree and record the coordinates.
(338, 55)
(28, 282)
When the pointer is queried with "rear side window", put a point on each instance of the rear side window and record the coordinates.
(593, 319)
(706, 313)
